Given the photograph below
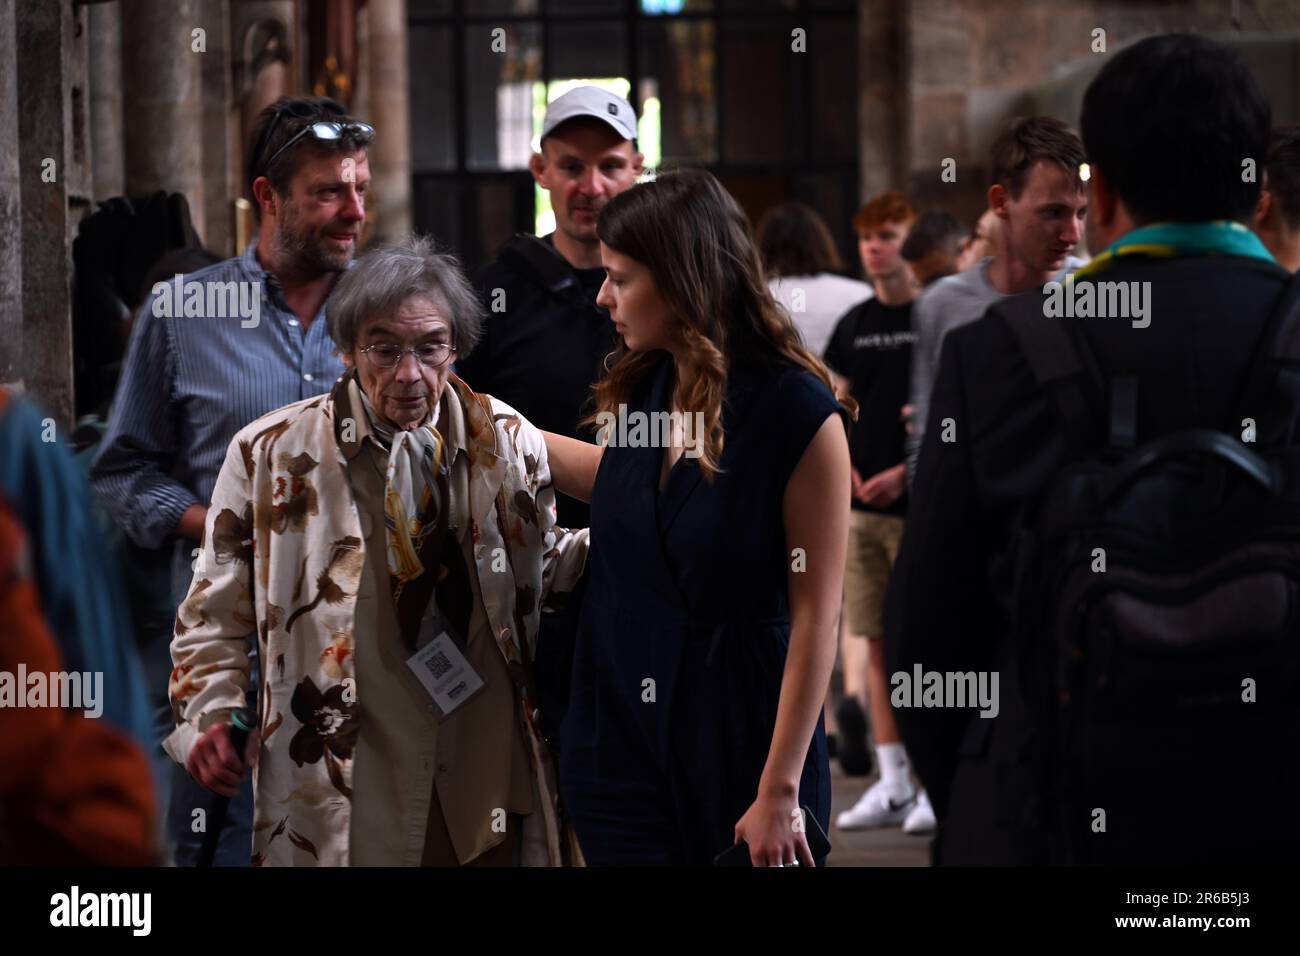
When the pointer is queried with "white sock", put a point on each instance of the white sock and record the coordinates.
(895, 769)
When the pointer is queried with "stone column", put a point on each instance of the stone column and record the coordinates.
(263, 75)
(941, 58)
(45, 68)
(264, 39)
(11, 235)
(161, 81)
(389, 96)
(882, 96)
(106, 149)
(76, 84)
(220, 179)
(360, 103)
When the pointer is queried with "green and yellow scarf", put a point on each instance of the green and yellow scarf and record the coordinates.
(1171, 240)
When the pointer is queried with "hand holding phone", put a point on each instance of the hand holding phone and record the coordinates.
(818, 843)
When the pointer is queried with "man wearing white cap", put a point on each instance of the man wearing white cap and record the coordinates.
(545, 338)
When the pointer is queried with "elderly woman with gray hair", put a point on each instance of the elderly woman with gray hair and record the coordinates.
(390, 544)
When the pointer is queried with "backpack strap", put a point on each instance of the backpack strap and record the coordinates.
(540, 262)
(1271, 391)
(1062, 365)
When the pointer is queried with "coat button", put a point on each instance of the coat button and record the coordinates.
(505, 633)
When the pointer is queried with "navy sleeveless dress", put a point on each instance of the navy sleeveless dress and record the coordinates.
(684, 630)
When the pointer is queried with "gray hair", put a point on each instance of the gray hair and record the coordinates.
(386, 276)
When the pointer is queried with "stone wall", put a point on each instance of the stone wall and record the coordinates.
(965, 66)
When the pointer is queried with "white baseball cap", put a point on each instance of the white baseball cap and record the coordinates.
(594, 102)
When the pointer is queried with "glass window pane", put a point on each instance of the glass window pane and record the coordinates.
(500, 72)
(759, 84)
(435, 209)
(588, 7)
(668, 7)
(433, 119)
(497, 219)
(833, 64)
(416, 9)
(499, 8)
(472, 215)
(749, 6)
(679, 87)
(590, 50)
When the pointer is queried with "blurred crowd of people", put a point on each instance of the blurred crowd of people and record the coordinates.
(472, 629)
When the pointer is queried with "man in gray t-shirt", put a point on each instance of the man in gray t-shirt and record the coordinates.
(952, 301)
(1040, 200)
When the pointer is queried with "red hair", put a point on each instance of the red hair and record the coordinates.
(890, 206)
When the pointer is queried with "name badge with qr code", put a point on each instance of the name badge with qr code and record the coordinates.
(443, 671)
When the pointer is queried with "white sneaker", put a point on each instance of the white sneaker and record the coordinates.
(883, 805)
(921, 819)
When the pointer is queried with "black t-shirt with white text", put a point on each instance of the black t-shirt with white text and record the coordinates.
(872, 348)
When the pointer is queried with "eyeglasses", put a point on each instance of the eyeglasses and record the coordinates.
(431, 355)
(325, 132)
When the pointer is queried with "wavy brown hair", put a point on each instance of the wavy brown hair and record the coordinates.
(695, 240)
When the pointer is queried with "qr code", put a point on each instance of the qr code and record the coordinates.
(437, 664)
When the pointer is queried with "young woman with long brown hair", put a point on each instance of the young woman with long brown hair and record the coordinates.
(708, 632)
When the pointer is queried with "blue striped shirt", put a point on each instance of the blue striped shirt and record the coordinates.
(189, 383)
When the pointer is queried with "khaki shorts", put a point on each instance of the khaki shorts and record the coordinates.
(873, 545)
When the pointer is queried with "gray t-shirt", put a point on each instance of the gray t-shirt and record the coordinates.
(951, 302)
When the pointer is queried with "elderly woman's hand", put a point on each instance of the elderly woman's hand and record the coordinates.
(213, 761)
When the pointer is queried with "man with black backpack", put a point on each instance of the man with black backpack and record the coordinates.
(545, 339)
(1105, 522)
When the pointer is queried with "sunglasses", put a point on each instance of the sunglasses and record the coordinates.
(323, 131)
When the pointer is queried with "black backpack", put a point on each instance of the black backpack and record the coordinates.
(1156, 617)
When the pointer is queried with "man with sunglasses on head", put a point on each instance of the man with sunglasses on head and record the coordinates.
(216, 349)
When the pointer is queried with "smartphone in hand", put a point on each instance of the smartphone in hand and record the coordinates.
(818, 843)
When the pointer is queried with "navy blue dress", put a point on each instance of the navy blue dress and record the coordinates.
(684, 630)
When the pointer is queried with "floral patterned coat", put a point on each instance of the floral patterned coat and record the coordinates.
(283, 556)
